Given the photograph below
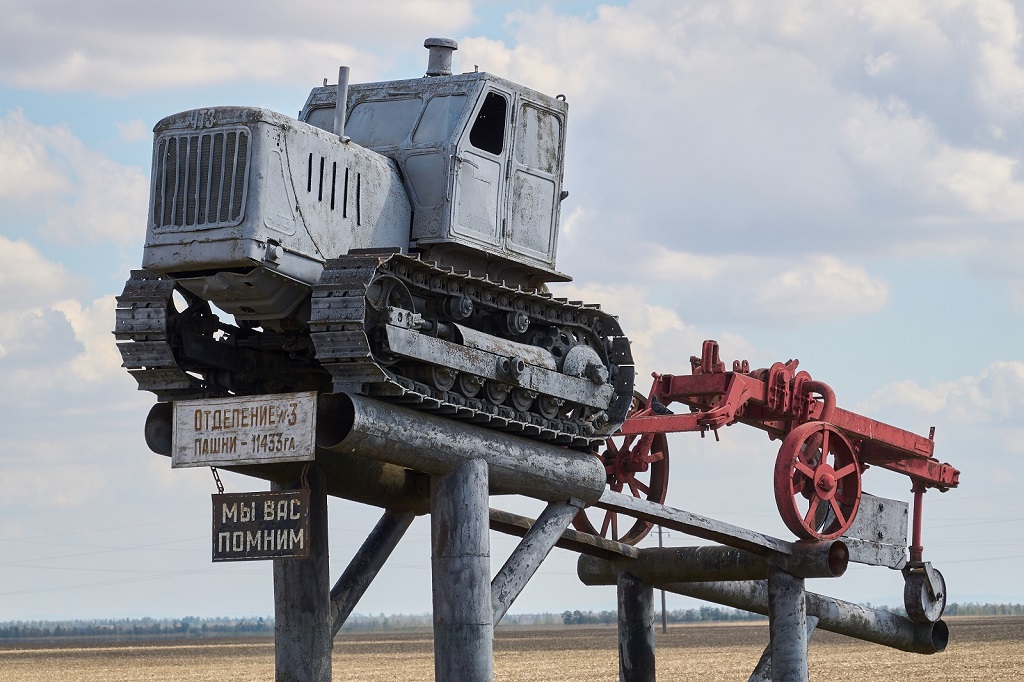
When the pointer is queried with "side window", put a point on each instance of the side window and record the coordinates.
(539, 139)
(322, 118)
(439, 118)
(488, 132)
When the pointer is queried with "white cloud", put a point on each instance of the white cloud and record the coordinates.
(115, 48)
(92, 325)
(800, 288)
(774, 129)
(81, 194)
(54, 346)
(133, 131)
(875, 65)
(28, 279)
(29, 169)
(993, 396)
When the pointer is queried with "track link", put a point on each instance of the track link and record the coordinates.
(143, 330)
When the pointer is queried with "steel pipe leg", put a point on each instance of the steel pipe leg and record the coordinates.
(302, 599)
(787, 624)
(460, 572)
(636, 630)
(763, 670)
(366, 564)
(529, 554)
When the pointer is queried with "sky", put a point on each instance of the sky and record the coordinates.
(834, 182)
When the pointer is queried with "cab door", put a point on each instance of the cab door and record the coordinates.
(480, 160)
(534, 181)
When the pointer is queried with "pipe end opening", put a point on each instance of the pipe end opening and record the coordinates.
(160, 428)
(334, 420)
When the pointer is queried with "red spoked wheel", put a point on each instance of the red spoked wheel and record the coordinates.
(817, 482)
(636, 465)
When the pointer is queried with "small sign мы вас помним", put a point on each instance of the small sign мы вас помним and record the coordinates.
(239, 430)
(264, 525)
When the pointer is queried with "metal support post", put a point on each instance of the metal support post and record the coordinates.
(529, 554)
(460, 572)
(302, 599)
(636, 630)
(787, 624)
(366, 564)
(763, 670)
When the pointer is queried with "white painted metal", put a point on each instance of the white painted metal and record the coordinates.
(241, 430)
(529, 554)
(366, 564)
(763, 670)
(302, 603)
(787, 626)
(307, 196)
(339, 109)
(460, 575)
(636, 630)
(657, 565)
(878, 534)
(423, 442)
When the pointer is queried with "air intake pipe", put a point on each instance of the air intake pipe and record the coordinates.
(342, 103)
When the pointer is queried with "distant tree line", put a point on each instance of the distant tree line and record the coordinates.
(403, 621)
(702, 614)
(131, 628)
(972, 609)
(137, 628)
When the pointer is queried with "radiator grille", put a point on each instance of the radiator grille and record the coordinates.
(200, 179)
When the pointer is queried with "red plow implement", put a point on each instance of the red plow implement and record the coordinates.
(825, 451)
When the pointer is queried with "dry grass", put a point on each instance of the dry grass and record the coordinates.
(980, 649)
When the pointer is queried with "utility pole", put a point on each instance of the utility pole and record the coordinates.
(664, 615)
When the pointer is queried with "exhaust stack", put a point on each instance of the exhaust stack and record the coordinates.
(439, 63)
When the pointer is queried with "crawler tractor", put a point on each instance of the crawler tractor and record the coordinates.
(394, 241)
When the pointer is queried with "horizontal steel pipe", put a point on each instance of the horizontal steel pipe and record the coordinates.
(656, 565)
(814, 559)
(364, 427)
(352, 478)
(834, 615)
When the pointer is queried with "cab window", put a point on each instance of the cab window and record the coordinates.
(488, 132)
(383, 123)
(439, 118)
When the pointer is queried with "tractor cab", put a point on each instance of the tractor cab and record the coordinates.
(481, 158)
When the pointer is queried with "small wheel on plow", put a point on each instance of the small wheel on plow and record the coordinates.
(817, 482)
(636, 465)
(924, 593)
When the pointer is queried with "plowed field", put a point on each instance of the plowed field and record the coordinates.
(979, 649)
